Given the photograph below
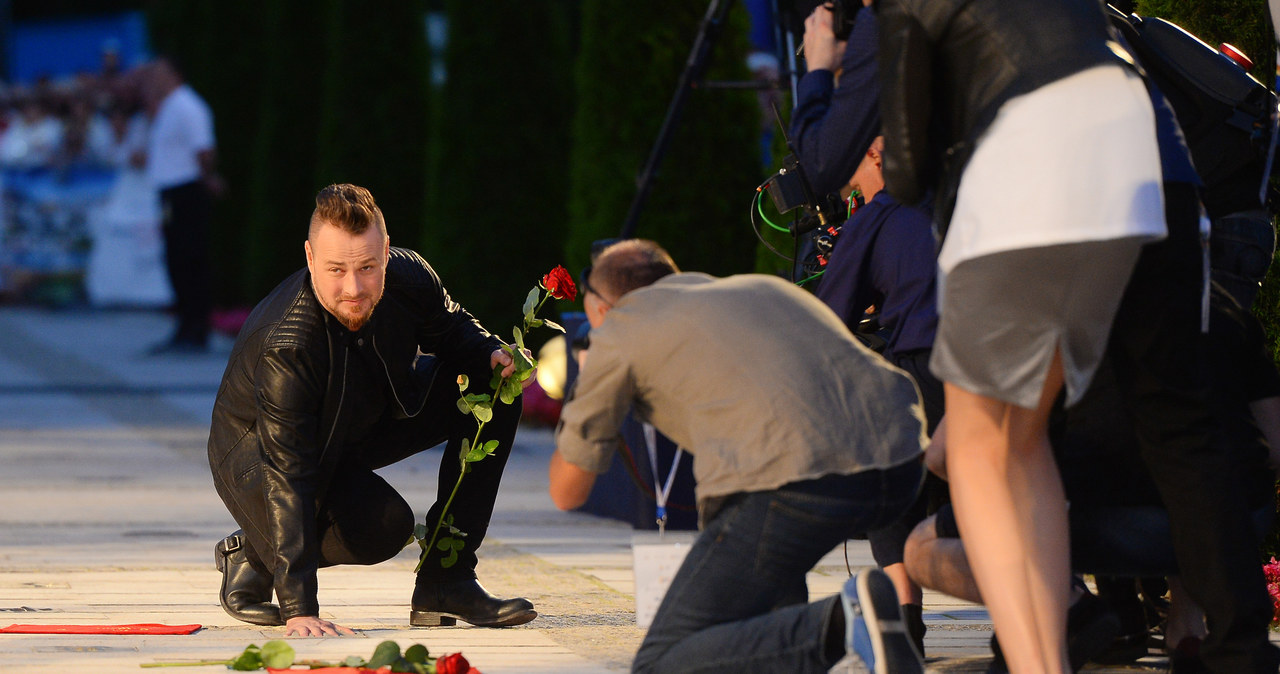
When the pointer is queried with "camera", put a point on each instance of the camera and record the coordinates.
(819, 219)
(843, 12)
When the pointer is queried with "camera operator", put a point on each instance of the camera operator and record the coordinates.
(833, 125)
(884, 255)
(884, 258)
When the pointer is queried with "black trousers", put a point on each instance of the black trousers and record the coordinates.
(187, 211)
(887, 543)
(363, 520)
(1155, 346)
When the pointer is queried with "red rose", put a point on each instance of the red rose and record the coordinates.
(559, 283)
(453, 663)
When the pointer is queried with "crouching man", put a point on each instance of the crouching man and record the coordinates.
(331, 378)
(802, 438)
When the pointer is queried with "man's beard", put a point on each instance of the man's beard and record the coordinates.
(352, 323)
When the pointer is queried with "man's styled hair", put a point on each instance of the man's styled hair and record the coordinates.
(350, 208)
(630, 264)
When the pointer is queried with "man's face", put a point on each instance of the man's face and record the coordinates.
(348, 272)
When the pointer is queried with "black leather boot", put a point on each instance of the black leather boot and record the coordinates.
(246, 591)
(444, 604)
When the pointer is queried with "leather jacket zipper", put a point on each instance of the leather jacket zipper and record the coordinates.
(392, 384)
(346, 353)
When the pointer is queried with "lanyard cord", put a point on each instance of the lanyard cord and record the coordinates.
(660, 494)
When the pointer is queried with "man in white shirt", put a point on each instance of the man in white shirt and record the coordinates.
(180, 164)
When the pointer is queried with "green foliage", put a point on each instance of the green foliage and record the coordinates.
(1267, 307)
(499, 157)
(629, 63)
(1245, 24)
(304, 94)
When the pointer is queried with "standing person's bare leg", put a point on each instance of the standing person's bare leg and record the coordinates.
(1012, 515)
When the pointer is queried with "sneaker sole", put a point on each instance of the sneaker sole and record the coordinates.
(890, 641)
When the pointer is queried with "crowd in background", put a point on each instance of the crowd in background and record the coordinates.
(91, 119)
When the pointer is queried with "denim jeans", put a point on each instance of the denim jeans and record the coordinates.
(738, 602)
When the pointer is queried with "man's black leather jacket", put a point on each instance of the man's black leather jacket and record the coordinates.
(278, 424)
(948, 65)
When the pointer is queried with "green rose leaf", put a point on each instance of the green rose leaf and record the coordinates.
(277, 654)
(385, 654)
(535, 322)
(490, 447)
(478, 452)
(519, 337)
(552, 324)
(249, 660)
(416, 653)
(506, 395)
(446, 545)
(463, 382)
(531, 302)
(484, 413)
(523, 362)
(463, 406)
(477, 398)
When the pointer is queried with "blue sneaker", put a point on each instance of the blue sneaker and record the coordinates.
(874, 629)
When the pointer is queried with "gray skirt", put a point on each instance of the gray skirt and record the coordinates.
(1002, 316)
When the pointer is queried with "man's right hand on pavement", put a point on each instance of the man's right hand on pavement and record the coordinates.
(312, 626)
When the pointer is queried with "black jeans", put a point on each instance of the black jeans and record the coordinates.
(1156, 346)
(185, 225)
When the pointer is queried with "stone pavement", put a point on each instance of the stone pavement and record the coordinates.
(108, 516)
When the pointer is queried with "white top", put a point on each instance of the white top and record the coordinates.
(1075, 160)
(181, 130)
(31, 144)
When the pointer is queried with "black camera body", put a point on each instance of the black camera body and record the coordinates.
(843, 13)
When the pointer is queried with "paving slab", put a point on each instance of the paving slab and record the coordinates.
(108, 516)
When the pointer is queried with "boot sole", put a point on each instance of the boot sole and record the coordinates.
(420, 618)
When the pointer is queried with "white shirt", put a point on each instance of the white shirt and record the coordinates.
(1075, 160)
(181, 130)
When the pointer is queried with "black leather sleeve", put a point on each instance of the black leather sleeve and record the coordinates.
(906, 105)
(446, 328)
(290, 384)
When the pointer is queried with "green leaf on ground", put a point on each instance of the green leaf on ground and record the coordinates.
(277, 654)
(417, 653)
(386, 653)
(249, 660)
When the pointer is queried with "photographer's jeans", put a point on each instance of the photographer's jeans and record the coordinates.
(738, 602)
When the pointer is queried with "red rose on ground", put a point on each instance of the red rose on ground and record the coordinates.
(453, 663)
(559, 283)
